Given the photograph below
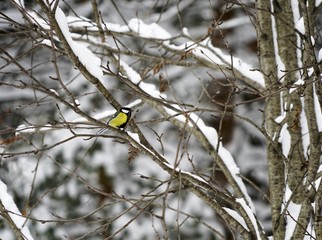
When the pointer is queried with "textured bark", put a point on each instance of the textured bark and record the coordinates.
(287, 42)
(5, 214)
(312, 83)
(297, 170)
(272, 110)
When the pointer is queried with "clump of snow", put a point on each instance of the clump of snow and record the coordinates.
(280, 119)
(237, 217)
(38, 20)
(20, 128)
(13, 211)
(136, 79)
(299, 82)
(300, 25)
(285, 140)
(293, 210)
(87, 58)
(54, 91)
(177, 116)
(135, 136)
(304, 129)
(130, 72)
(250, 214)
(83, 22)
(152, 30)
(185, 31)
(209, 132)
(320, 55)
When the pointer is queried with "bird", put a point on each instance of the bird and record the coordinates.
(119, 119)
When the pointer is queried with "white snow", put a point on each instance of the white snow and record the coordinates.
(230, 163)
(209, 132)
(280, 119)
(20, 129)
(320, 54)
(179, 117)
(317, 2)
(185, 31)
(317, 108)
(250, 214)
(304, 130)
(23, 129)
(130, 72)
(312, 40)
(237, 217)
(135, 136)
(300, 25)
(46, 42)
(285, 140)
(279, 63)
(21, 3)
(296, 84)
(13, 211)
(82, 22)
(136, 79)
(207, 52)
(38, 20)
(293, 211)
(203, 50)
(188, 173)
(152, 90)
(296, 16)
(317, 182)
(54, 91)
(152, 30)
(117, 27)
(238, 64)
(85, 56)
(212, 136)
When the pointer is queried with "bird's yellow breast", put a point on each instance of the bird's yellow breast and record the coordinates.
(119, 120)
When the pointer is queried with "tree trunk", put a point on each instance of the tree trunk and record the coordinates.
(294, 149)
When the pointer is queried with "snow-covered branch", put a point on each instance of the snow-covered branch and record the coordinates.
(10, 211)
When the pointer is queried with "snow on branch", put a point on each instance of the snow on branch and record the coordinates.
(134, 77)
(152, 30)
(200, 187)
(214, 57)
(13, 212)
(191, 120)
(226, 158)
(203, 51)
(250, 214)
(87, 58)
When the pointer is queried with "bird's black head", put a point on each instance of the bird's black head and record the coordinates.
(126, 110)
